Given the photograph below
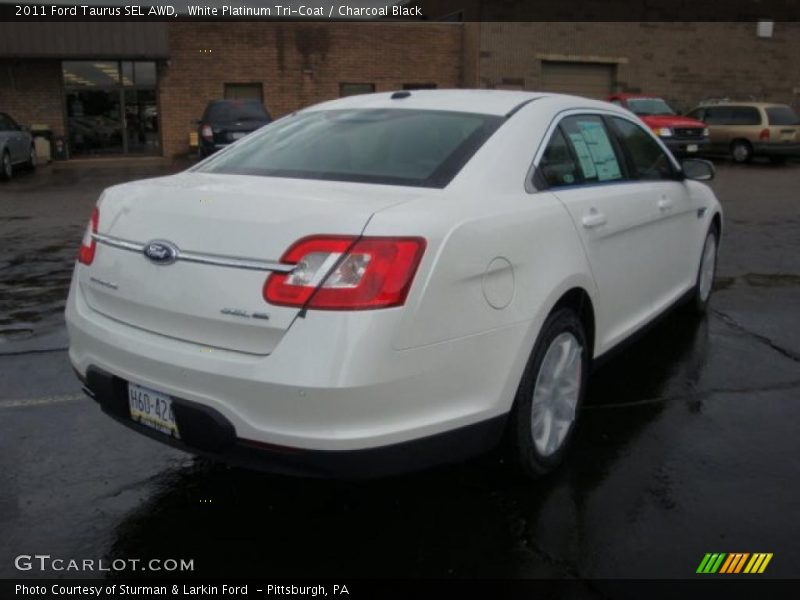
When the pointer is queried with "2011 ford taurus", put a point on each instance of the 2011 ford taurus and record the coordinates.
(388, 281)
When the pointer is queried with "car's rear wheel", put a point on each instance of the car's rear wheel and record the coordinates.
(550, 394)
(741, 151)
(706, 272)
(6, 169)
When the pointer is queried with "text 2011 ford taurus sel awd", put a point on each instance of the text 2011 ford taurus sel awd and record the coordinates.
(388, 281)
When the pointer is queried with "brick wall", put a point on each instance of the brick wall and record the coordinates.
(298, 64)
(684, 62)
(30, 91)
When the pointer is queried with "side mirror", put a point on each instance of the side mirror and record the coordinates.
(697, 169)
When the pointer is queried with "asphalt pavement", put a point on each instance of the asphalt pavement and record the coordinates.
(688, 442)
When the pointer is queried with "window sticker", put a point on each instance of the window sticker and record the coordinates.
(584, 156)
(599, 146)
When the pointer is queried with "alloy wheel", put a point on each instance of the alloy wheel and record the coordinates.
(556, 393)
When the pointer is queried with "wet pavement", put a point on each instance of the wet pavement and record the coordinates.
(688, 442)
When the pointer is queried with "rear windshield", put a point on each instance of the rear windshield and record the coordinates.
(397, 146)
(235, 110)
(782, 115)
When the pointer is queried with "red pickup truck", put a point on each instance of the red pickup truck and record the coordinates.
(682, 135)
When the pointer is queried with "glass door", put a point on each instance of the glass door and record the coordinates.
(94, 115)
(111, 107)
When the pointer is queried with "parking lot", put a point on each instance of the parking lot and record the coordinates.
(687, 443)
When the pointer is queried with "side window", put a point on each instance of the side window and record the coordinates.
(718, 115)
(746, 115)
(593, 149)
(649, 160)
(557, 165)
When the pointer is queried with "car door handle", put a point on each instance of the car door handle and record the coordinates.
(665, 204)
(593, 219)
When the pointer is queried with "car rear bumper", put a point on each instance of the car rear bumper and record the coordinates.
(776, 149)
(312, 395)
(207, 432)
(681, 146)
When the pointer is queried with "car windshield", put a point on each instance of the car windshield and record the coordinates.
(782, 115)
(649, 106)
(236, 110)
(422, 148)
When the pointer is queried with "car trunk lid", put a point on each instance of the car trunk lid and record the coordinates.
(213, 299)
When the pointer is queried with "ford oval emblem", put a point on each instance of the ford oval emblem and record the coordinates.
(161, 252)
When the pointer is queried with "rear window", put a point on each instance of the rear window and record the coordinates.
(782, 115)
(386, 146)
(235, 110)
(649, 106)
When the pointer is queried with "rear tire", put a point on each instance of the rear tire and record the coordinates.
(550, 394)
(32, 158)
(6, 169)
(741, 151)
(704, 285)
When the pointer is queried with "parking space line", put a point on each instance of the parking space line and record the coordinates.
(42, 401)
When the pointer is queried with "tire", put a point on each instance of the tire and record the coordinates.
(32, 158)
(543, 423)
(704, 285)
(6, 169)
(741, 151)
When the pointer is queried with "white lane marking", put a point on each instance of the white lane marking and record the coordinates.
(44, 400)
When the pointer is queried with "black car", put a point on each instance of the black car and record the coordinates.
(225, 121)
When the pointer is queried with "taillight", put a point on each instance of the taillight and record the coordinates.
(365, 273)
(764, 135)
(207, 132)
(88, 243)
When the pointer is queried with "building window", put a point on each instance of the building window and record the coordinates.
(111, 107)
(353, 89)
(244, 91)
(419, 86)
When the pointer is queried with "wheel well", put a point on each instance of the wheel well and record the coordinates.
(744, 140)
(716, 223)
(579, 301)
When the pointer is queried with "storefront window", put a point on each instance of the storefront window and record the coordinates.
(111, 107)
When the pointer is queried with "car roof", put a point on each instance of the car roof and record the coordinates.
(742, 103)
(491, 102)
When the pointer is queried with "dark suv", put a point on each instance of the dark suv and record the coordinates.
(225, 121)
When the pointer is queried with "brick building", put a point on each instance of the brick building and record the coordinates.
(137, 88)
(129, 88)
(682, 62)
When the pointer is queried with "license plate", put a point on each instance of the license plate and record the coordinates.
(691, 148)
(238, 135)
(152, 408)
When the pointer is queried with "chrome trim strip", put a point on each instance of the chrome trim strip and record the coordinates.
(117, 242)
(196, 257)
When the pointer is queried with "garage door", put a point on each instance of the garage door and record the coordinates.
(593, 80)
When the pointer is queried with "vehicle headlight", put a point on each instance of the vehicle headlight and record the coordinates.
(662, 131)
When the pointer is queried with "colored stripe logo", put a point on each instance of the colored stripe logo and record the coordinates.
(734, 563)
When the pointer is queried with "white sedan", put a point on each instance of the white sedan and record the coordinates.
(389, 281)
